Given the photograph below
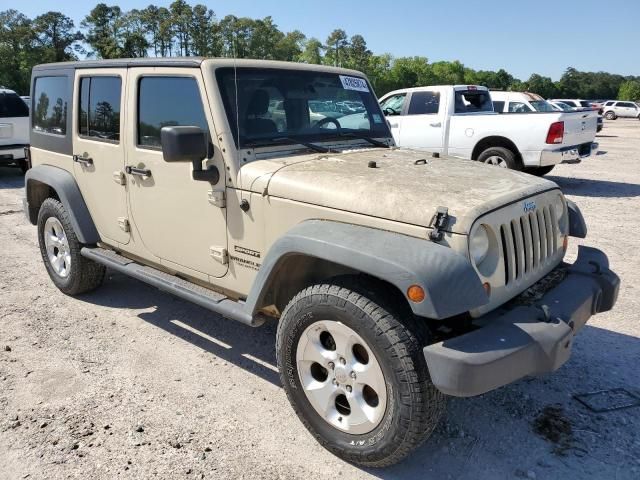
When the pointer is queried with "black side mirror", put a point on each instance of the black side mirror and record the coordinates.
(183, 144)
(188, 144)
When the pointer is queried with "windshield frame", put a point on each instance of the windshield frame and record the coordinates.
(377, 129)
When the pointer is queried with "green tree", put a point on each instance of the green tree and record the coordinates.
(264, 39)
(358, 54)
(312, 52)
(337, 42)
(133, 38)
(543, 86)
(204, 35)
(103, 25)
(182, 19)
(630, 90)
(289, 48)
(57, 36)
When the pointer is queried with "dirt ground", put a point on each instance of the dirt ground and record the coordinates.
(128, 382)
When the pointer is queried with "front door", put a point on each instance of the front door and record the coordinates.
(177, 218)
(98, 150)
(393, 107)
(422, 123)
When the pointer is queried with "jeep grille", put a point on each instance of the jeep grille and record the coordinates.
(528, 243)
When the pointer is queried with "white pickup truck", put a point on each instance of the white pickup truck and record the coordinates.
(459, 120)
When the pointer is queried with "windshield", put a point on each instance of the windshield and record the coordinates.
(542, 106)
(285, 106)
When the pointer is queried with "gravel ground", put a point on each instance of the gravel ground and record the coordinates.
(134, 383)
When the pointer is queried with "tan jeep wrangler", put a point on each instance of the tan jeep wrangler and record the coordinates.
(265, 190)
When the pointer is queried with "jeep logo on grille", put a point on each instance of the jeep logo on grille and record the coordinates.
(529, 207)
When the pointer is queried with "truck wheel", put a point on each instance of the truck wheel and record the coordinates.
(540, 171)
(60, 249)
(610, 116)
(499, 157)
(355, 374)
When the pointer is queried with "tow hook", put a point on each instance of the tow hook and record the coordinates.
(438, 223)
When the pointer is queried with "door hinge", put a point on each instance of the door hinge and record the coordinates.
(217, 198)
(439, 223)
(123, 223)
(119, 177)
(219, 254)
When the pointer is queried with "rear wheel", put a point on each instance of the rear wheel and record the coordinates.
(60, 249)
(355, 374)
(610, 115)
(499, 157)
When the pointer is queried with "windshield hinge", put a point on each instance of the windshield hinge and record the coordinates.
(438, 223)
(217, 198)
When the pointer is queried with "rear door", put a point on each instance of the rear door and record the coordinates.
(422, 123)
(98, 149)
(626, 109)
(393, 107)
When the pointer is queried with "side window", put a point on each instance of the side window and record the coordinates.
(11, 105)
(626, 104)
(50, 105)
(99, 113)
(167, 101)
(498, 106)
(584, 103)
(393, 105)
(518, 107)
(424, 103)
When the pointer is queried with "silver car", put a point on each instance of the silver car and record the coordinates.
(615, 109)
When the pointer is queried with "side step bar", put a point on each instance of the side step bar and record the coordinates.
(184, 289)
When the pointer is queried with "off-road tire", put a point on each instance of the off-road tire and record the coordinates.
(505, 154)
(540, 171)
(414, 405)
(84, 274)
(610, 115)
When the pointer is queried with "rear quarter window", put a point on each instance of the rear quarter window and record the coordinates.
(472, 101)
(12, 106)
(51, 102)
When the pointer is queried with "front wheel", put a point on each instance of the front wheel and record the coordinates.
(610, 116)
(355, 375)
(499, 157)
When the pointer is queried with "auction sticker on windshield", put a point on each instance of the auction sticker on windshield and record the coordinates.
(354, 83)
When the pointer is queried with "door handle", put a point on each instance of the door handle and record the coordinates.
(141, 172)
(83, 159)
(393, 125)
(436, 125)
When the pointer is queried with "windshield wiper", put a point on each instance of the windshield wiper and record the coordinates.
(311, 146)
(372, 141)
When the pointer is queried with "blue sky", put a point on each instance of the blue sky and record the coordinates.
(542, 36)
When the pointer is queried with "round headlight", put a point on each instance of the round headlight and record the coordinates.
(479, 244)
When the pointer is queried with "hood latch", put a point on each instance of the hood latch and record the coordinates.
(438, 223)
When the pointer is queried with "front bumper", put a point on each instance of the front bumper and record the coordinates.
(525, 340)
(573, 154)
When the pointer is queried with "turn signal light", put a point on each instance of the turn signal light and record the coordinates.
(416, 294)
(565, 242)
(487, 288)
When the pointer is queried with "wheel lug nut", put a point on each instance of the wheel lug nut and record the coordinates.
(353, 375)
(332, 365)
(335, 382)
(342, 361)
(349, 388)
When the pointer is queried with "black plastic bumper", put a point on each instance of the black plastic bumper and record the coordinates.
(525, 340)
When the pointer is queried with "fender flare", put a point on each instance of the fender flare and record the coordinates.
(65, 186)
(577, 225)
(451, 284)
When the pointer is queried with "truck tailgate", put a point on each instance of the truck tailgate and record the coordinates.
(579, 128)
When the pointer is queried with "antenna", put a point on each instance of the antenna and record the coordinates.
(235, 81)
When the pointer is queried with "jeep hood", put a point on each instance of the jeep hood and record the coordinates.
(405, 185)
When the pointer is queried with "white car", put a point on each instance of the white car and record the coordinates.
(459, 120)
(519, 102)
(14, 129)
(615, 109)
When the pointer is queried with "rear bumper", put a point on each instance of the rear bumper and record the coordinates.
(573, 154)
(11, 153)
(525, 340)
